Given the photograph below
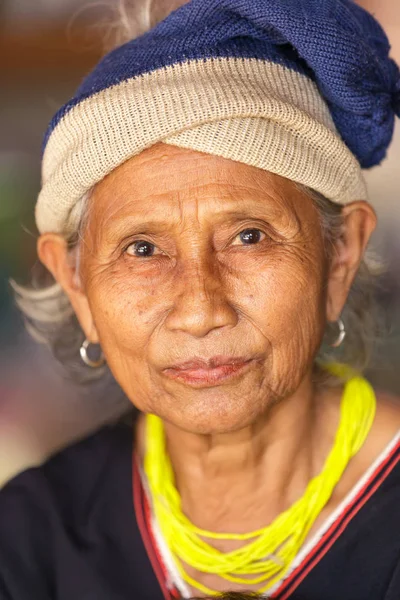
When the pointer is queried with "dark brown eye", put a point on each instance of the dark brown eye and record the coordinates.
(142, 249)
(250, 236)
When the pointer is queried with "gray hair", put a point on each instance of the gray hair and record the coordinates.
(51, 320)
(135, 17)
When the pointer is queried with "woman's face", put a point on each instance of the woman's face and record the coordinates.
(204, 282)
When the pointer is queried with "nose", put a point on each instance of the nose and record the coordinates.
(201, 304)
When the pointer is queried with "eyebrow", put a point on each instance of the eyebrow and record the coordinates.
(130, 225)
(133, 225)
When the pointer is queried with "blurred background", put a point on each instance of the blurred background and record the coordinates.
(46, 48)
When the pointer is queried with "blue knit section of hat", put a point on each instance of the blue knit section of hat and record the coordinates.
(149, 52)
(334, 42)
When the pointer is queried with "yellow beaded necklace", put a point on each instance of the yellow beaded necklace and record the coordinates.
(269, 551)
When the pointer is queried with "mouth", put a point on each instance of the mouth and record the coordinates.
(201, 373)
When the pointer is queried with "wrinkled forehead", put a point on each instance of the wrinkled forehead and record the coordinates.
(166, 182)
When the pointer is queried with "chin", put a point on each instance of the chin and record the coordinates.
(215, 416)
(208, 409)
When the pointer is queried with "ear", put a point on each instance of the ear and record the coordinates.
(359, 221)
(54, 254)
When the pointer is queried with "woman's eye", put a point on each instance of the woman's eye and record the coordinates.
(248, 237)
(141, 249)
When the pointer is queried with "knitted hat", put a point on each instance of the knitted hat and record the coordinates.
(301, 88)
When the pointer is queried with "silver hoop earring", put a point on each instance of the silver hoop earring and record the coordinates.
(342, 334)
(94, 364)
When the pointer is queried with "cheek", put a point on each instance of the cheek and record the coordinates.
(285, 299)
(126, 312)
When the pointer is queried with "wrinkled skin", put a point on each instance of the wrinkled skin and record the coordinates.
(204, 291)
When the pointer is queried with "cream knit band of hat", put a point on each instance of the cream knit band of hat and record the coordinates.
(265, 111)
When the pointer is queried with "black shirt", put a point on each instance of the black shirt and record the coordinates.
(71, 530)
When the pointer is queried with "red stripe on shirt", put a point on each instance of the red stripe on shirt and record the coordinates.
(316, 554)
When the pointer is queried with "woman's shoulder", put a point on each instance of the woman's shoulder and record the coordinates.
(388, 405)
(387, 419)
(383, 438)
(72, 472)
(62, 489)
(381, 446)
(49, 513)
(68, 529)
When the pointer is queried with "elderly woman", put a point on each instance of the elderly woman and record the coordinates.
(204, 215)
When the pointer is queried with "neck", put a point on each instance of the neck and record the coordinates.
(240, 481)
